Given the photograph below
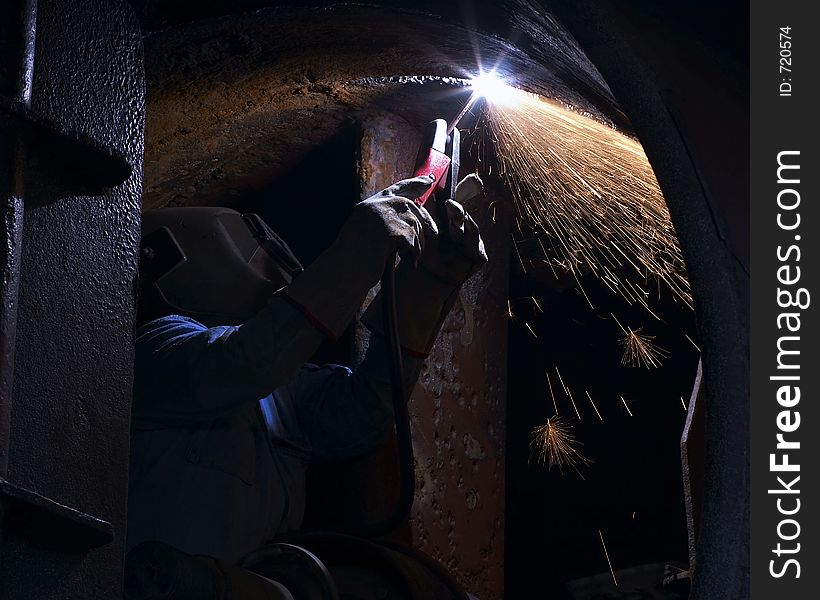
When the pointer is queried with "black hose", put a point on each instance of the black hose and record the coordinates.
(404, 442)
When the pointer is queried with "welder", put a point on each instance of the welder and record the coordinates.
(227, 413)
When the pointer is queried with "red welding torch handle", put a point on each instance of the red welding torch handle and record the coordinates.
(436, 165)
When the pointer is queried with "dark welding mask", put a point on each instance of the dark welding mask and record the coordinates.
(210, 263)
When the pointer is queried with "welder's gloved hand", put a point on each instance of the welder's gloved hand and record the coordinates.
(331, 289)
(391, 221)
(425, 293)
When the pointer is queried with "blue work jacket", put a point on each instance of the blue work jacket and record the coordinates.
(218, 468)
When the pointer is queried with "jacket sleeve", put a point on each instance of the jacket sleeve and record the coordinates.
(338, 412)
(185, 371)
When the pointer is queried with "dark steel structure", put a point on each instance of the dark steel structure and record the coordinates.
(71, 119)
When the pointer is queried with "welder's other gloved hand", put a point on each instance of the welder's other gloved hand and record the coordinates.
(425, 293)
(455, 255)
(331, 289)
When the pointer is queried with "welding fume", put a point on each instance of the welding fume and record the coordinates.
(228, 412)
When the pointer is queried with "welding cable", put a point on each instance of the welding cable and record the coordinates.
(404, 442)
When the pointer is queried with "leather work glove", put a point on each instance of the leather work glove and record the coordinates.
(426, 292)
(333, 287)
(390, 220)
(455, 255)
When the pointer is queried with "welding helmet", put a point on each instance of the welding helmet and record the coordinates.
(210, 263)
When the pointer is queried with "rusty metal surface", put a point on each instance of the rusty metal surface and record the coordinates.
(458, 413)
(69, 430)
(235, 101)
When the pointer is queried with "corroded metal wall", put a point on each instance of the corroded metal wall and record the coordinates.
(65, 491)
(458, 408)
(458, 411)
(237, 101)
